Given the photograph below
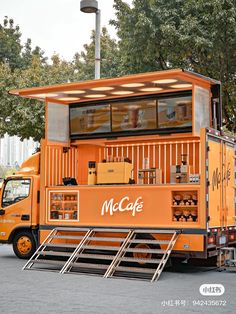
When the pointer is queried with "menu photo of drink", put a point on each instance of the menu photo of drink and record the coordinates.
(90, 119)
(138, 115)
(175, 112)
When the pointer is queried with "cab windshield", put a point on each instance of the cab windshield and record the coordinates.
(15, 190)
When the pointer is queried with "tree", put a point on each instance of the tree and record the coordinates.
(194, 34)
(10, 48)
(22, 66)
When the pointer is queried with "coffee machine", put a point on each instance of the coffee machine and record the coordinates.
(180, 173)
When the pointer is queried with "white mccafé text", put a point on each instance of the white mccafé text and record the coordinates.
(110, 207)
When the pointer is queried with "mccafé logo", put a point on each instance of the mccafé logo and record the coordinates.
(110, 206)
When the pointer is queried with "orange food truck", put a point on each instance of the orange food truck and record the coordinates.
(133, 170)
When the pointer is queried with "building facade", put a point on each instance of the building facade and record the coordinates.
(13, 151)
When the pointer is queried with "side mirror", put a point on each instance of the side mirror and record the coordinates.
(2, 212)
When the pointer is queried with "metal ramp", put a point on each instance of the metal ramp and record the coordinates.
(116, 252)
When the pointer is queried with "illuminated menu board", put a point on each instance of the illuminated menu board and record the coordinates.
(131, 116)
(138, 115)
(175, 112)
(90, 119)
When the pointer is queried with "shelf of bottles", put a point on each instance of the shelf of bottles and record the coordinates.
(63, 205)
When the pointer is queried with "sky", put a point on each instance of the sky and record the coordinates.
(56, 26)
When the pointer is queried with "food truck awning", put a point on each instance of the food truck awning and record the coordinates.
(126, 86)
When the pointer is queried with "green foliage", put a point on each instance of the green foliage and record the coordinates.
(21, 67)
(10, 48)
(193, 34)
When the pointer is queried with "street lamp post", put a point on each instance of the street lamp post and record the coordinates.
(91, 6)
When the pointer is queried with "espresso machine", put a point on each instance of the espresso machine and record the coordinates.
(180, 173)
(92, 173)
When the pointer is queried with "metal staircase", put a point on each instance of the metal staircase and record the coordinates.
(116, 252)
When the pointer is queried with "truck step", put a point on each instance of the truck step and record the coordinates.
(108, 239)
(101, 247)
(49, 262)
(88, 265)
(157, 231)
(70, 237)
(137, 250)
(140, 260)
(53, 253)
(60, 245)
(149, 241)
(96, 256)
(135, 269)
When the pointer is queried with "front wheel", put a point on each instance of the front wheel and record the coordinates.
(24, 244)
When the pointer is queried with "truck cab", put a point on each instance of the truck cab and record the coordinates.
(19, 208)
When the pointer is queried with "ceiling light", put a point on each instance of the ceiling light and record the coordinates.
(44, 95)
(181, 86)
(133, 85)
(68, 98)
(165, 81)
(95, 96)
(122, 92)
(72, 92)
(150, 89)
(105, 88)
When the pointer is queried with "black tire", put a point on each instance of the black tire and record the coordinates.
(24, 244)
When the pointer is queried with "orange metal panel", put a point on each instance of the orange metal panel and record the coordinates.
(140, 206)
(229, 186)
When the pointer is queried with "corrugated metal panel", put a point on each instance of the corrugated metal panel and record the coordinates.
(160, 155)
(59, 164)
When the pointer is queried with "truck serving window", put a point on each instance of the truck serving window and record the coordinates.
(15, 191)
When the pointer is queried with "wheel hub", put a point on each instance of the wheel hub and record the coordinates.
(142, 254)
(24, 245)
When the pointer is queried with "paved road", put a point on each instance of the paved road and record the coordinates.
(48, 292)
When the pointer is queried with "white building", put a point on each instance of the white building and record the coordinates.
(13, 151)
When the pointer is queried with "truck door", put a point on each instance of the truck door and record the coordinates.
(228, 184)
(221, 180)
(16, 206)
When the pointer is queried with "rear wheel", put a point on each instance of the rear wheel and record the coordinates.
(24, 244)
(144, 255)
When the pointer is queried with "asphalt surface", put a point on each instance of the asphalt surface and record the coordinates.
(49, 292)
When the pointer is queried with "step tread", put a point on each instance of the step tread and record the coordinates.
(149, 241)
(72, 237)
(156, 231)
(135, 269)
(89, 265)
(51, 262)
(141, 260)
(137, 250)
(101, 247)
(61, 245)
(96, 256)
(53, 253)
(109, 239)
